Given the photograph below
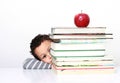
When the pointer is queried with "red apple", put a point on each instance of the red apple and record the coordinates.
(81, 20)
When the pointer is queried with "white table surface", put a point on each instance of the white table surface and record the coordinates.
(19, 75)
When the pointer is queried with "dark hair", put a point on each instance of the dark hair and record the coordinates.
(36, 42)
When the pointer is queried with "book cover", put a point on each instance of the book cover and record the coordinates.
(79, 40)
(75, 46)
(104, 70)
(90, 71)
(66, 30)
(77, 52)
(84, 64)
(85, 36)
(79, 58)
(83, 68)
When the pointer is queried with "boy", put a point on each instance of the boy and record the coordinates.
(40, 49)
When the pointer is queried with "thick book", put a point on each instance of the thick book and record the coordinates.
(60, 46)
(103, 70)
(79, 58)
(80, 64)
(85, 36)
(80, 40)
(84, 71)
(77, 52)
(82, 67)
(67, 30)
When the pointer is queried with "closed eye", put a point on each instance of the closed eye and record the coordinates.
(44, 56)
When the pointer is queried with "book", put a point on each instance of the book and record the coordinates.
(77, 52)
(85, 67)
(85, 36)
(78, 64)
(64, 65)
(80, 40)
(79, 72)
(88, 71)
(67, 30)
(104, 70)
(75, 46)
(79, 58)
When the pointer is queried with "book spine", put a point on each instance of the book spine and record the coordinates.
(77, 64)
(80, 36)
(77, 53)
(77, 30)
(93, 68)
(79, 58)
(84, 71)
(59, 46)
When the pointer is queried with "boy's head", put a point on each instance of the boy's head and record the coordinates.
(40, 48)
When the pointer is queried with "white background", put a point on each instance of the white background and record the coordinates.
(21, 20)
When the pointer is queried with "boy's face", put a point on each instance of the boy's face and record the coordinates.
(43, 51)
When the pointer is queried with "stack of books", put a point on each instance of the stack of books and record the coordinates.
(81, 50)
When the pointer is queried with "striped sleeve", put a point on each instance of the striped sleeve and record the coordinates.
(31, 63)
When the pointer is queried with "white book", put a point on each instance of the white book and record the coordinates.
(84, 63)
(63, 36)
(78, 58)
(60, 46)
(84, 71)
(79, 40)
(77, 52)
(66, 30)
